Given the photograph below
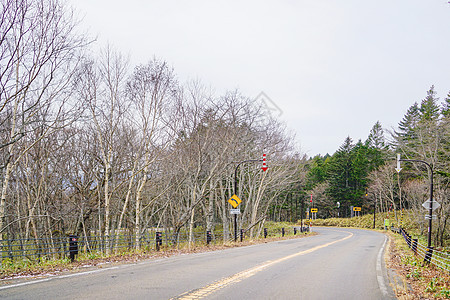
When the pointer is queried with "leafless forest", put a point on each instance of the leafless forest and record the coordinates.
(90, 144)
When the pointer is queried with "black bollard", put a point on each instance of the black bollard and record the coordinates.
(73, 247)
(158, 240)
(208, 237)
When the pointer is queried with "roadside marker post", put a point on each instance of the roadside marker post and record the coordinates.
(264, 166)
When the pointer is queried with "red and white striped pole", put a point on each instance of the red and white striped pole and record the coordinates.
(264, 166)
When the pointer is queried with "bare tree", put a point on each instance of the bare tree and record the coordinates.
(152, 90)
(39, 51)
(102, 87)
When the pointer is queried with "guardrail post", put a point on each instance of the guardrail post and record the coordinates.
(414, 245)
(208, 237)
(428, 254)
(158, 240)
(242, 234)
(265, 232)
(282, 231)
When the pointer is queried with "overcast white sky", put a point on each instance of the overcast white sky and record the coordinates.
(333, 67)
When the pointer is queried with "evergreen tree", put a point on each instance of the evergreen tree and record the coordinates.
(408, 123)
(339, 175)
(446, 107)
(376, 137)
(317, 172)
(361, 167)
(429, 108)
(376, 146)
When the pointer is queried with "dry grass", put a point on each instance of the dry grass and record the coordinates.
(425, 281)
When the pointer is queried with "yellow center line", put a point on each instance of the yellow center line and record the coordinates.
(215, 286)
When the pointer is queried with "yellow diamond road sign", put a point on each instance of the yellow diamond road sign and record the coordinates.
(234, 201)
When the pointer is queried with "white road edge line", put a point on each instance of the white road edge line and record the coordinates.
(380, 276)
(55, 277)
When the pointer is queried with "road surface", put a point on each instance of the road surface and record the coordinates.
(335, 264)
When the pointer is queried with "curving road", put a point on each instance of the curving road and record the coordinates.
(336, 264)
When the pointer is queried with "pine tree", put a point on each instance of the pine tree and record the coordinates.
(429, 108)
(446, 107)
(340, 175)
(376, 146)
(317, 172)
(408, 123)
(361, 166)
(376, 137)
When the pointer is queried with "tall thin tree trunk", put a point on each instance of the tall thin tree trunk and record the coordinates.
(191, 228)
(138, 207)
(107, 200)
(210, 214)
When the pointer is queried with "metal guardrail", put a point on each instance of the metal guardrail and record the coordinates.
(430, 255)
(59, 247)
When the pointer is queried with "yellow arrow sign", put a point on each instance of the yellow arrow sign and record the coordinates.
(234, 201)
(314, 210)
(356, 208)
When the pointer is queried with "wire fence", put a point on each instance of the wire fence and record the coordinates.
(430, 255)
(47, 248)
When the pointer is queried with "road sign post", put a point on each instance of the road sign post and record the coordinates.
(234, 201)
(235, 211)
(357, 210)
(264, 168)
(314, 213)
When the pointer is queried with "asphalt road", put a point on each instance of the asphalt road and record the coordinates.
(336, 264)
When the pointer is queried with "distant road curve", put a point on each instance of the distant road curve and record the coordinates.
(336, 264)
